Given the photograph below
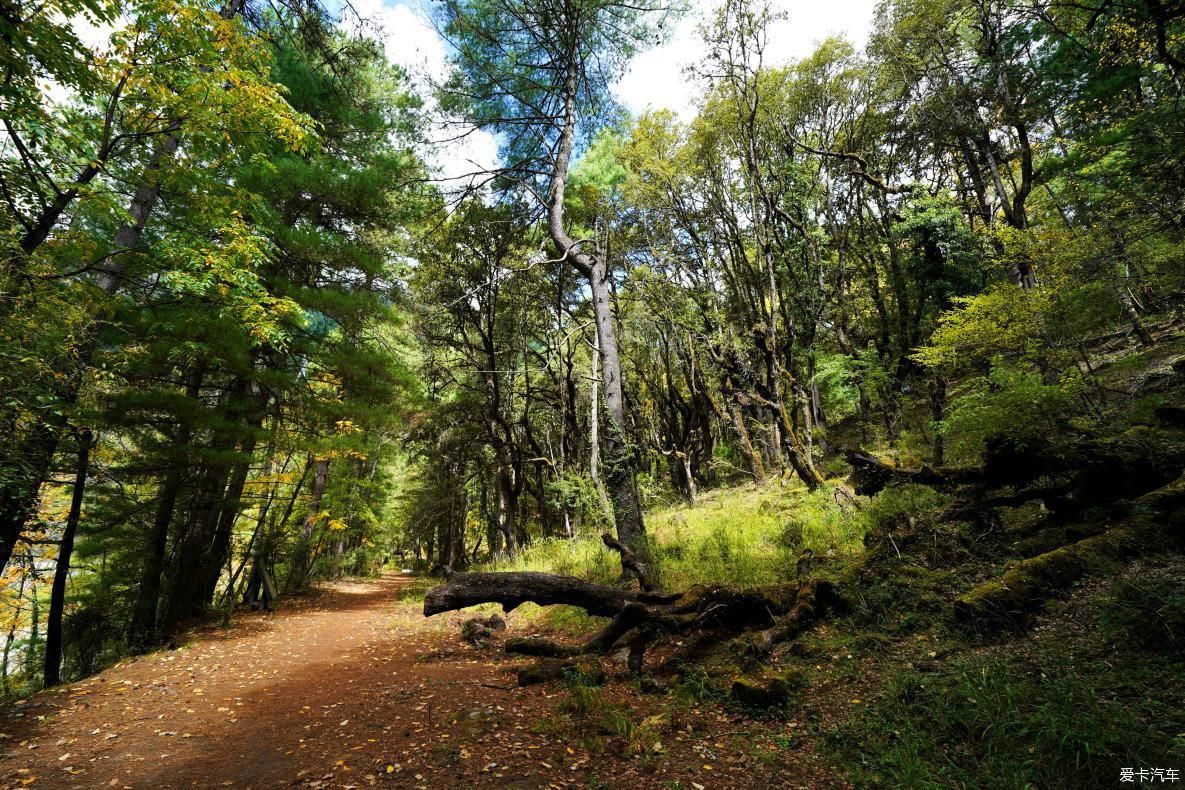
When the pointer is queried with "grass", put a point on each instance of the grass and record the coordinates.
(744, 537)
(987, 722)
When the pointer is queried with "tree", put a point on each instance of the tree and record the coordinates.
(539, 73)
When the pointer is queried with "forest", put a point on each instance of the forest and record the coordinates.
(877, 352)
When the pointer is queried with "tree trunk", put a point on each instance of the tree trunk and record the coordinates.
(224, 530)
(231, 505)
(507, 508)
(302, 562)
(594, 417)
(619, 459)
(20, 595)
(937, 412)
(57, 601)
(34, 632)
(142, 632)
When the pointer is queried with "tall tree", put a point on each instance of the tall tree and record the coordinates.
(538, 72)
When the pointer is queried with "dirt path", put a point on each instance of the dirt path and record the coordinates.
(349, 687)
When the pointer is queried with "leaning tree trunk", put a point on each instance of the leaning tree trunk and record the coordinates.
(618, 462)
(57, 600)
(619, 459)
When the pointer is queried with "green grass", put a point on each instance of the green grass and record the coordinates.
(992, 722)
(746, 537)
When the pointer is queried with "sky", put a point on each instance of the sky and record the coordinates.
(655, 78)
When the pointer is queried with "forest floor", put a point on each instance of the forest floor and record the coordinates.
(351, 687)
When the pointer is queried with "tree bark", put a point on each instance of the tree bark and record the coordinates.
(142, 631)
(57, 601)
(619, 460)
(298, 575)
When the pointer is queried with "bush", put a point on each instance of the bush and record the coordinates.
(1011, 403)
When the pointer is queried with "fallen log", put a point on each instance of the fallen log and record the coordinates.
(1023, 589)
(513, 589)
(871, 475)
(636, 617)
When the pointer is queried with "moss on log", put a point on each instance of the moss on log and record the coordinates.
(768, 692)
(1024, 588)
(638, 618)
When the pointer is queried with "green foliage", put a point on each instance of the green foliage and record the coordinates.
(514, 61)
(898, 505)
(1010, 402)
(745, 537)
(578, 494)
(1002, 321)
(840, 377)
(948, 257)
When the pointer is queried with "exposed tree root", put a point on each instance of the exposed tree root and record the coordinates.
(814, 599)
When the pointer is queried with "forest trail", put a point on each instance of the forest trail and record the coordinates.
(349, 687)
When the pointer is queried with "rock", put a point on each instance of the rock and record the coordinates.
(475, 632)
(588, 670)
(801, 650)
(478, 629)
(767, 692)
(648, 685)
(540, 673)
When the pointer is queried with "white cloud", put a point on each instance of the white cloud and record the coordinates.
(407, 36)
(411, 41)
(657, 78)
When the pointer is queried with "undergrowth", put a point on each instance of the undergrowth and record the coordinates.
(991, 722)
(744, 537)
